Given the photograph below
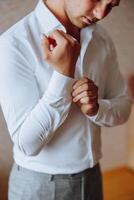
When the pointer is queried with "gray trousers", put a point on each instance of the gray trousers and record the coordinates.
(26, 184)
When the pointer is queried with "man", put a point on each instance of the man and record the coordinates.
(56, 93)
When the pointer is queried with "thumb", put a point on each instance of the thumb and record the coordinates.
(46, 46)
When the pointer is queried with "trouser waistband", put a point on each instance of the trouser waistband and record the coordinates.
(60, 176)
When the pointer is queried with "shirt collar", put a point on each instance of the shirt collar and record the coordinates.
(49, 22)
(47, 19)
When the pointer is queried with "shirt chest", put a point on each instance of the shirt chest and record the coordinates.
(92, 64)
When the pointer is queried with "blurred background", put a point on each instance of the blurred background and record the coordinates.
(117, 143)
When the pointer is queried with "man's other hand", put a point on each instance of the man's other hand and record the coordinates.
(63, 56)
(85, 95)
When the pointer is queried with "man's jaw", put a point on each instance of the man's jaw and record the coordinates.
(89, 21)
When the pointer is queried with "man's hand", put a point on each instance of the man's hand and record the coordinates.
(63, 56)
(85, 95)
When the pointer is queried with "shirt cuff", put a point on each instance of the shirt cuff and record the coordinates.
(96, 117)
(93, 118)
(60, 85)
(104, 105)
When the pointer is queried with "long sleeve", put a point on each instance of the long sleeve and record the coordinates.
(114, 108)
(32, 121)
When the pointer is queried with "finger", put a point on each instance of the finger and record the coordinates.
(91, 89)
(90, 109)
(91, 93)
(86, 108)
(58, 36)
(67, 36)
(87, 98)
(46, 47)
(70, 38)
(82, 81)
(52, 42)
(79, 96)
(80, 89)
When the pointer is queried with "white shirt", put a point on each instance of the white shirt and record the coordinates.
(49, 132)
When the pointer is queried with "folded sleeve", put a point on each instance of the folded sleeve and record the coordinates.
(115, 107)
(32, 121)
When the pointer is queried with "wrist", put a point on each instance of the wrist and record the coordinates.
(93, 111)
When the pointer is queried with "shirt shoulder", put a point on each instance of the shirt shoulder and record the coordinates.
(15, 43)
(102, 33)
(103, 37)
(19, 29)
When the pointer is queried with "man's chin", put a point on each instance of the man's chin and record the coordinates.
(83, 25)
(80, 24)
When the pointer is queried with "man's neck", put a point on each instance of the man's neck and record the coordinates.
(57, 8)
